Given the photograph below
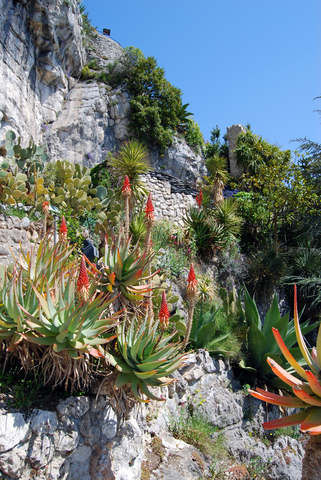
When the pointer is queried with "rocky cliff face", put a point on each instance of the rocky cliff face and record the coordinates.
(41, 52)
(42, 96)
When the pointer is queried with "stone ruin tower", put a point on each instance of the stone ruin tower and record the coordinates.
(232, 133)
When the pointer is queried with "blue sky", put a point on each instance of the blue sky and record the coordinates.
(236, 62)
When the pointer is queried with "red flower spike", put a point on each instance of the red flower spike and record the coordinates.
(149, 210)
(192, 282)
(83, 285)
(126, 187)
(199, 199)
(45, 207)
(163, 312)
(63, 229)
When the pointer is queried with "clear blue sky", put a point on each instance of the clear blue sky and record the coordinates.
(235, 61)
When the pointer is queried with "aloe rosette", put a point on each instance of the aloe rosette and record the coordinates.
(46, 263)
(66, 325)
(122, 269)
(13, 294)
(307, 391)
(146, 358)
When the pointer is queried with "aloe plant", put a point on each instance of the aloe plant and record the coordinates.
(121, 269)
(144, 358)
(261, 342)
(307, 391)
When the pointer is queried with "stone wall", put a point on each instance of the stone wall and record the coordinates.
(171, 197)
(232, 133)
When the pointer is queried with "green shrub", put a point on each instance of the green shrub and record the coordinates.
(194, 135)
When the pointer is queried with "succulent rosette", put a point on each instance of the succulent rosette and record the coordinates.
(145, 358)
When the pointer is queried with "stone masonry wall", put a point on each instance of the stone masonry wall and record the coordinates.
(171, 198)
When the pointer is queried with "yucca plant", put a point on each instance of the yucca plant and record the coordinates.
(260, 340)
(207, 233)
(121, 270)
(225, 214)
(307, 394)
(144, 358)
(132, 161)
(217, 178)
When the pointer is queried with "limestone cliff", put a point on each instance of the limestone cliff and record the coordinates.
(42, 97)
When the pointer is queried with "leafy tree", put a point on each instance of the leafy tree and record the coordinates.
(216, 147)
(281, 185)
(155, 102)
(253, 151)
(193, 134)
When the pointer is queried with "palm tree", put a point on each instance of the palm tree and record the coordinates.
(218, 177)
(132, 160)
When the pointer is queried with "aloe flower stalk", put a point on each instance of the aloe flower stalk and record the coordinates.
(191, 292)
(45, 209)
(164, 314)
(83, 285)
(63, 230)
(149, 220)
(126, 190)
(199, 199)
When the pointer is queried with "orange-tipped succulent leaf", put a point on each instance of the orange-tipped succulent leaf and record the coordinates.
(275, 399)
(308, 399)
(284, 349)
(314, 383)
(164, 312)
(83, 285)
(287, 421)
(283, 374)
(312, 423)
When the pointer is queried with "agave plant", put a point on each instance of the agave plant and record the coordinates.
(122, 269)
(145, 358)
(203, 328)
(261, 342)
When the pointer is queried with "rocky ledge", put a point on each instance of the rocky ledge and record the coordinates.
(84, 438)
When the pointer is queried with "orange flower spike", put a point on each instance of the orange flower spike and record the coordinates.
(192, 282)
(163, 313)
(149, 210)
(83, 285)
(45, 207)
(63, 230)
(126, 187)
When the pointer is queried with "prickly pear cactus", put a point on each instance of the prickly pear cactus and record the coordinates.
(30, 160)
(73, 189)
(12, 187)
(110, 217)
